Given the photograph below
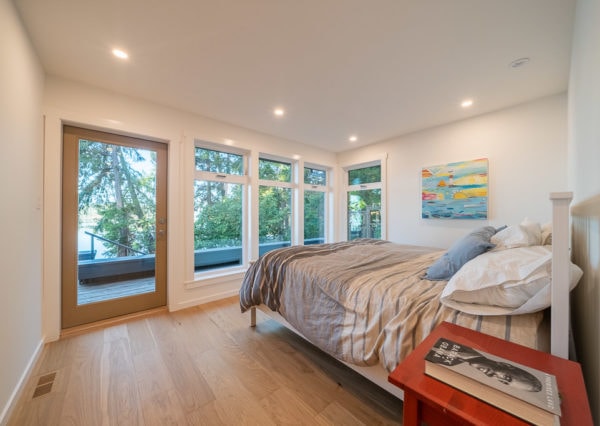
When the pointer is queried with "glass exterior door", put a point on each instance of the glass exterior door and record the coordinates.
(114, 225)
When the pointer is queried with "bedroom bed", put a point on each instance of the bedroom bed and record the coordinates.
(368, 303)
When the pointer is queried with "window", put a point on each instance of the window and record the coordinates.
(241, 212)
(314, 205)
(364, 201)
(274, 204)
(219, 208)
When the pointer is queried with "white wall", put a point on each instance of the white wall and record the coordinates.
(584, 102)
(527, 150)
(584, 177)
(21, 88)
(70, 102)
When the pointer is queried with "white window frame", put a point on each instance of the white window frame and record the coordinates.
(327, 189)
(243, 180)
(250, 180)
(292, 185)
(382, 185)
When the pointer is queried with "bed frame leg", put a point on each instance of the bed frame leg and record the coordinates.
(253, 316)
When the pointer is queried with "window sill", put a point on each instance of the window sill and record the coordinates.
(216, 277)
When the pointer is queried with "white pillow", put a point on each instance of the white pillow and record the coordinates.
(507, 282)
(534, 230)
(546, 234)
(527, 233)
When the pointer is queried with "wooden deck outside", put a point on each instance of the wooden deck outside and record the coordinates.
(90, 293)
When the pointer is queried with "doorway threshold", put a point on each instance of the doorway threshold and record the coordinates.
(86, 328)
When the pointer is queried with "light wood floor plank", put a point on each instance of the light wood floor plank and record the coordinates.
(141, 338)
(321, 380)
(230, 392)
(209, 415)
(198, 332)
(287, 366)
(287, 407)
(336, 414)
(159, 399)
(122, 398)
(153, 376)
(250, 373)
(200, 366)
(193, 390)
(83, 395)
(163, 409)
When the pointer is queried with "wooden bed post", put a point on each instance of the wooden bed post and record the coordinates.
(560, 316)
(253, 316)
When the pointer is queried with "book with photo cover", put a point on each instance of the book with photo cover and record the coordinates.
(523, 391)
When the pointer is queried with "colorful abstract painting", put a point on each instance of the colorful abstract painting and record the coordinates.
(455, 190)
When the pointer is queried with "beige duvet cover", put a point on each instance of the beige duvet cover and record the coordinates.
(365, 301)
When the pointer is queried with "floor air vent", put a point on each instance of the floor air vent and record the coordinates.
(44, 384)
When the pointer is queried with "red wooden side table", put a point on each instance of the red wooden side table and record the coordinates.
(429, 400)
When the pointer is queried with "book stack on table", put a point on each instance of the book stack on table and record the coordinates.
(522, 391)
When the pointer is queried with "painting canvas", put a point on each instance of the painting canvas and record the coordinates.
(455, 190)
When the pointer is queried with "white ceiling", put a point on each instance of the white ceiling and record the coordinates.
(377, 69)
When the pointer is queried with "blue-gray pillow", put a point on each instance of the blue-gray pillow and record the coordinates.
(463, 250)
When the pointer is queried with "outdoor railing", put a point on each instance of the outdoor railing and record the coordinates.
(119, 268)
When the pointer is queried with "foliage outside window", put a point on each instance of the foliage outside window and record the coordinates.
(274, 204)
(364, 202)
(208, 160)
(218, 209)
(314, 205)
(314, 176)
(117, 187)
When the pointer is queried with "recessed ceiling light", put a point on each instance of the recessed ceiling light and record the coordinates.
(120, 54)
(517, 63)
(353, 138)
(279, 112)
(466, 103)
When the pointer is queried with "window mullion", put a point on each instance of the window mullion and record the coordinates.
(288, 185)
(364, 186)
(317, 188)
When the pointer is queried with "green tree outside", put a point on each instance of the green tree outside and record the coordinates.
(364, 205)
(117, 185)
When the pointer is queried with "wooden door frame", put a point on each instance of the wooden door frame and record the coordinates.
(71, 313)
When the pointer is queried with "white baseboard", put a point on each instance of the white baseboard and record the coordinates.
(202, 300)
(18, 390)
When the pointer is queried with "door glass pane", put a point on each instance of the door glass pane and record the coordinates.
(116, 221)
(217, 225)
(275, 215)
(364, 214)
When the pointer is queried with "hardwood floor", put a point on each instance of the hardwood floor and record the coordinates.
(199, 366)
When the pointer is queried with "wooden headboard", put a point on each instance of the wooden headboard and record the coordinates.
(585, 299)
